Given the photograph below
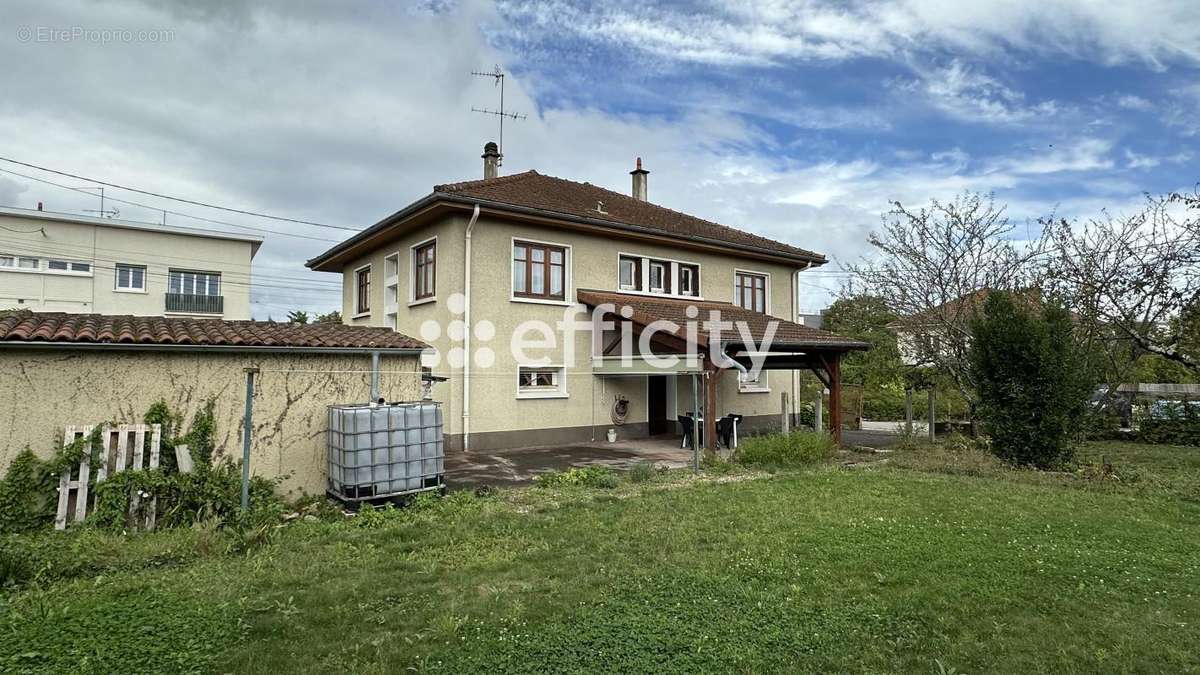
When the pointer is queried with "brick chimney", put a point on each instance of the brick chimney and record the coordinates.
(491, 160)
(639, 181)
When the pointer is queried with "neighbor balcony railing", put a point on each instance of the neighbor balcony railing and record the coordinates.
(185, 303)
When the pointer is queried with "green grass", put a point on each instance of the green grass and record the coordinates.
(776, 451)
(892, 567)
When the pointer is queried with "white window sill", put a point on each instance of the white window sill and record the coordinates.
(530, 395)
(360, 315)
(540, 301)
(754, 390)
(422, 301)
(137, 291)
(56, 273)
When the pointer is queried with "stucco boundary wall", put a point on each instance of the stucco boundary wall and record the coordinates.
(43, 390)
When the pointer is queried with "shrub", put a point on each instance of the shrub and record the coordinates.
(785, 450)
(1169, 423)
(1032, 380)
(591, 476)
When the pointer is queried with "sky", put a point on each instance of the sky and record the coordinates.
(798, 120)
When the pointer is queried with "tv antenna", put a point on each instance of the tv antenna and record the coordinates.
(498, 76)
(102, 212)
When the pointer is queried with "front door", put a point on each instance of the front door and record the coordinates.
(656, 404)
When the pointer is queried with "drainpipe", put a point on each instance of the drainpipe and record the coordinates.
(375, 377)
(466, 397)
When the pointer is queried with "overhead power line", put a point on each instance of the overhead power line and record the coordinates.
(168, 211)
(193, 202)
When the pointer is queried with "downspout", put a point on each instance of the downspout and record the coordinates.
(466, 396)
(796, 318)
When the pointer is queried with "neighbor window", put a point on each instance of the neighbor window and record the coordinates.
(658, 277)
(69, 266)
(539, 270)
(425, 271)
(750, 383)
(7, 261)
(193, 283)
(750, 291)
(362, 290)
(27, 263)
(540, 381)
(131, 277)
(631, 274)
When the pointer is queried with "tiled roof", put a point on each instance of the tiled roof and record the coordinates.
(60, 327)
(547, 193)
(647, 309)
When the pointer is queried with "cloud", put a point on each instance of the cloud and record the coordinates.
(772, 32)
(967, 94)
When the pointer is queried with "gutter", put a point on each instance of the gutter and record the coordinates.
(466, 404)
(808, 260)
(249, 349)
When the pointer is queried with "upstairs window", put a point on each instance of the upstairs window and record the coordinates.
(750, 291)
(193, 283)
(69, 266)
(539, 271)
(658, 277)
(630, 274)
(689, 275)
(131, 277)
(362, 290)
(425, 271)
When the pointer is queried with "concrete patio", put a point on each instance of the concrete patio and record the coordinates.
(518, 466)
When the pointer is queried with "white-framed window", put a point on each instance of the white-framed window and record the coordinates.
(187, 282)
(541, 382)
(131, 277)
(657, 276)
(749, 383)
(59, 266)
(751, 290)
(362, 290)
(7, 261)
(19, 262)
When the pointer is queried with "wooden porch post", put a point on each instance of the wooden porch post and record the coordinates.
(710, 408)
(835, 398)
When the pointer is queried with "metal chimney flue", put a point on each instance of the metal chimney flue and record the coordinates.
(639, 181)
(491, 160)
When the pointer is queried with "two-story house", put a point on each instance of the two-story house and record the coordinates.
(68, 263)
(476, 267)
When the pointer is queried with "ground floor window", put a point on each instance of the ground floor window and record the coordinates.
(751, 382)
(541, 382)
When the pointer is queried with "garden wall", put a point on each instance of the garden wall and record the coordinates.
(42, 390)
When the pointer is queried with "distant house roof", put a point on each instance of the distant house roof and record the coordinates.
(532, 193)
(255, 241)
(647, 309)
(53, 329)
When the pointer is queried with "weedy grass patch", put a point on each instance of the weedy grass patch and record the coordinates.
(782, 451)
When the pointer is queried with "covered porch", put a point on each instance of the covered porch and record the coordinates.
(708, 339)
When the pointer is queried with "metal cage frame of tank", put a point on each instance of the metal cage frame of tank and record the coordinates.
(399, 451)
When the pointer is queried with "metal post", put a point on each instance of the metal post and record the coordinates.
(246, 438)
(932, 416)
(908, 412)
(818, 413)
(374, 377)
(695, 424)
(784, 421)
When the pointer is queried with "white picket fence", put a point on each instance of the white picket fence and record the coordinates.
(122, 447)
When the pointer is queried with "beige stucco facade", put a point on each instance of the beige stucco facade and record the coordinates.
(498, 416)
(42, 390)
(103, 245)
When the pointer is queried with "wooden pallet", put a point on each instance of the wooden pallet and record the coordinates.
(121, 447)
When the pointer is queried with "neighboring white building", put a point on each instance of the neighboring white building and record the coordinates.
(68, 263)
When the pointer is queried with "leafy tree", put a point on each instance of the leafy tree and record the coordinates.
(867, 318)
(298, 316)
(1033, 382)
(332, 317)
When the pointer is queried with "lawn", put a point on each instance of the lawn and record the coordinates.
(887, 567)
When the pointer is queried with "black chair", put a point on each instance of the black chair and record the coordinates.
(727, 429)
(688, 426)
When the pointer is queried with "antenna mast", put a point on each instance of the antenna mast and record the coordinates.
(498, 76)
